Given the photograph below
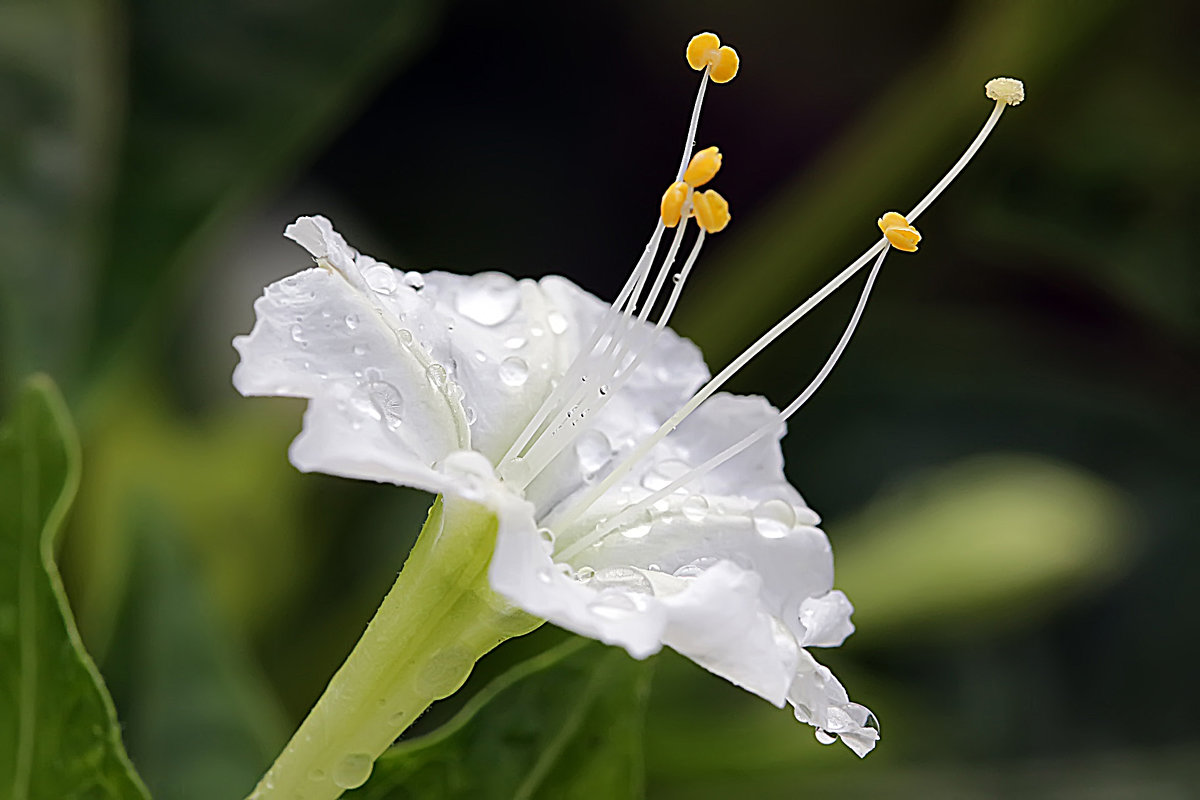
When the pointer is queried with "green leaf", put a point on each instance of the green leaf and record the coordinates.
(565, 724)
(201, 720)
(979, 544)
(59, 736)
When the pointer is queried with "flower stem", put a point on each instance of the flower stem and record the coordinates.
(439, 618)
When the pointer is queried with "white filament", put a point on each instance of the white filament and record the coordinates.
(729, 452)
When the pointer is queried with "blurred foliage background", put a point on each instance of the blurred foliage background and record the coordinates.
(1005, 460)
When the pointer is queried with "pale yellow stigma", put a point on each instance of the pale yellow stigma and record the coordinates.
(703, 167)
(671, 206)
(711, 210)
(706, 50)
(1009, 91)
(898, 232)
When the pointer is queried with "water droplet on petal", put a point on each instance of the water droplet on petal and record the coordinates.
(824, 737)
(626, 579)
(381, 278)
(388, 401)
(584, 574)
(481, 356)
(488, 299)
(594, 451)
(437, 375)
(546, 535)
(405, 336)
(352, 770)
(414, 280)
(664, 473)
(360, 349)
(352, 321)
(470, 415)
(695, 567)
(297, 334)
(774, 519)
(557, 322)
(514, 371)
(514, 342)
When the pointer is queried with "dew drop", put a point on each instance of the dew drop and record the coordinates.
(603, 389)
(488, 299)
(297, 334)
(594, 451)
(514, 342)
(351, 321)
(774, 519)
(626, 579)
(664, 473)
(514, 371)
(414, 280)
(696, 567)
(695, 507)
(360, 349)
(388, 401)
(546, 535)
(381, 278)
(557, 322)
(405, 336)
(437, 375)
(677, 277)
(481, 356)
(545, 575)
(825, 737)
(470, 414)
(584, 574)
(352, 771)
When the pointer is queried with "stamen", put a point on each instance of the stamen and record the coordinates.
(712, 211)
(578, 546)
(727, 61)
(898, 232)
(671, 207)
(705, 50)
(547, 447)
(703, 167)
(640, 452)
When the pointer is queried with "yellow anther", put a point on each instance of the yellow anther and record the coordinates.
(1005, 90)
(712, 211)
(702, 167)
(671, 207)
(726, 67)
(898, 232)
(705, 50)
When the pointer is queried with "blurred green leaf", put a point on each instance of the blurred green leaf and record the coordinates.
(58, 99)
(990, 540)
(565, 724)
(225, 97)
(201, 722)
(59, 736)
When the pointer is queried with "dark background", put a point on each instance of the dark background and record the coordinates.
(1005, 458)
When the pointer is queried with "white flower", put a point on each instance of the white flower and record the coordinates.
(635, 504)
(426, 380)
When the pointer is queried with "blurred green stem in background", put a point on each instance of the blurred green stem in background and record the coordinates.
(439, 618)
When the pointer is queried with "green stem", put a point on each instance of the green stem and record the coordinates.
(438, 619)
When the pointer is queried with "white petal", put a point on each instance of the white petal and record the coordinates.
(821, 701)
(826, 620)
(316, 336)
